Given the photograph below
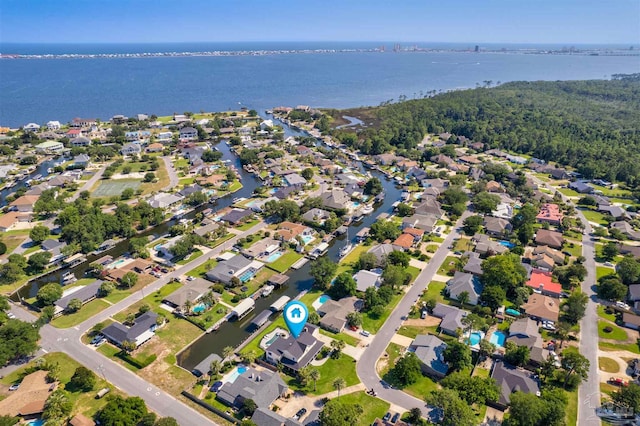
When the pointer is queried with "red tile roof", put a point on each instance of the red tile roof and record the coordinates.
(541, 280)
(404, 241)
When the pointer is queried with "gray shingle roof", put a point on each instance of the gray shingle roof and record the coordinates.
(511, 379)
(263, 387)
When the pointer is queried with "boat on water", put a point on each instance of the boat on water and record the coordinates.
(345, 250)
(68, 278)
(267, 290)
(367, 209)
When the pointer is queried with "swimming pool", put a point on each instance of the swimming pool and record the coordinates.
(512, 312)
(474, 338)
(306, 239)
(236, 372)
(247, 275)
(199, 308)
(37, 422)
(507, 244)
(274, 256)
(322, 299)
(498, 338)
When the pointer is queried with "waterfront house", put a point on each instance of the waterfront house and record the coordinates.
(542, 307)
(262, 247)
(54, 247)
(381, 251)
(295, 353)
(335, 199)
(429, 206)
(204, 367)
(333, 313)
(549, 238)
(386, 159)
(295, 180)
(365, 279)
(511, 379)
(31, 127)
(236, 216)
(85, 294)
(83, 122)
(24, 203)
(451, 317)
(131, 149)
(464, 282)
(81, 160)
(53, 125)
(188, 134)
(238, 266)
(263, 387)
(316, 215)
(49, 147)
(429, 349)
(80, 142)
(141, 331)
(420, 221)
(289, 231)
(164, 200)
(192, 291)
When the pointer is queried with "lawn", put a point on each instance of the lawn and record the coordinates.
(84, 402)
(413, 330)
(602, 271)
(161, 181)
(153, 300)
(347, 338)
(344, 367)
(576, 250)
(462, 244)
(284, 262)
(248, 225)
(373, 407)
(572, 408)
(354, 254)
(481, 372)
(109, 188)
(569, 192)
(186, 181)
(608, 365)
(193, 256)
(203, 269)
(447, 265)
(617, 333)
(594, 216)
(422, 387)
(88, 310)
(254, 344)
(615, 192)
(631, 347)
(372, 324)
(603, 314)
(435, 290)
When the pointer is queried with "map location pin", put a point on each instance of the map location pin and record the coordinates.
(295, 316)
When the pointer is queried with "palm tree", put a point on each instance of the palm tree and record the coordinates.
(227, 352)
(215, 367)
(463, 297)
(186, 307)
(337, 346)
(339, 384)
(315, 376)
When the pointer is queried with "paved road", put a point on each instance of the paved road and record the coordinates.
(366, 367)
(88, 184)
(173, 175)
(68, 341)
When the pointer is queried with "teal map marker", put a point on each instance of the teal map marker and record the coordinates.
(295, 316)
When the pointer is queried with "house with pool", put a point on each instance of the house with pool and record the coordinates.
(262, 386)
(238, 266)
(293, 354)
(525, 332)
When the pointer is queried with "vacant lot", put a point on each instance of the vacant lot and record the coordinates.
(110, 188)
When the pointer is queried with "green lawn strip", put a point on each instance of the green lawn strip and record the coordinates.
(603, 314)
(309, 297)
(571, 416)
(111, 352)
(344, 367)
(594, 216)
(218, 241)
(254, 344)
(87, 311)
(612, 192)
(481, 372)
(372, 324)
(602, 271)
(435, 291)
(608, 365)
(284, 262)
(576, 250)
(413, 330)
(414, 272)
(248, 225)
(354, 254)
(153, 300)
(447, 265)
(569, 192)
(631, 347)
(117, 295)
(201, 270)
(193, 256)
(462, 244)
(186, 181)
(210, 317)
(373, 407)
(177, 333)
(210, 399)
(617, 333)
(608, 389)
(347, 338)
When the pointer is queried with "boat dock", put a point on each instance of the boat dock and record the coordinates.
(300, 263)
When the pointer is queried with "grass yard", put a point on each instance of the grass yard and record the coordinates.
(603, 314)
(373, 407)
(448, 264)
(354, 254)
(569, 192)
(202, 269)
(372, 324)
(462, 244)
(248, 225)
(481, 372)
(254, 344)
(344, 367)
(88, 310)
(576, 250)
(413, 330)
(153, 300)
(602, 271)
(193, 256)
(347, 338)
(617, 333)
(435, 290)
(594, 216)
(631, 347)
(110, 188)
(284, 262)
(608, 365)
(571, 415)
(186, 181)
(615, 192)
(422, 387)
(161, 181)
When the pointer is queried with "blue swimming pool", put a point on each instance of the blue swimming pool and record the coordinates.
(306, 239)
(507, 244)
(274, 256)
(512, 312)
(323, 298)
(235, 373)
(247, 275)
(498, 338)
(474, 338)
(38, 422)
(199, 308)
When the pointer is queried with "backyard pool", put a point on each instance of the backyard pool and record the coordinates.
(231, 377)
(199, 308)
(498, 338)
(507, 244)
(274, 256)
(247, 275)
(37, 422)
(323, 298)
(306, 239)
(474, 338)
(512, 312)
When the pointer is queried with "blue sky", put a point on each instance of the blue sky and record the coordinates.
(474, 21)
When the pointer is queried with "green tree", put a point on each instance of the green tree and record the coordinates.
(473, 390)
(227, 352)
(457, 355)
(10, 273)
(122, 412)
(57, 406)
(322, 270)
(575, 306)
(338, 413)
(343, 286)
(249, 406)
(463, 297)
(338, 384)
(7, 420)
(337, 346)
(610, 251)
(307, 173)
(611, 288)
(367, 261)
(526, 409)
(472, 224)
(137, 246)
(485, 202)
(314, 374)
(105, 289)
(48, 294)
(384, 230)
(455, 411)
(629, 270)
(354, 319)
(149, 177)
(628, 397)
(516, 355)
(454, 195)
(39, 233)
(404, 210)
(395, 276)
(373, 187)
(127, 193)
(493, 296)
(74, 305)
(505, 271)
(83, 379)
(399, 258)
(38, 261)
(167, 421)
(407, 369)
(17, 339)
(574, 364)
(129, 279)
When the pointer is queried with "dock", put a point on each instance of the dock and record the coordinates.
(300, 263)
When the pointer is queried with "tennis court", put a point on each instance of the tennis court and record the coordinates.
(110, 188)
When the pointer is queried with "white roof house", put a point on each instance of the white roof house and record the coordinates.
(31, 127)
(53, 125)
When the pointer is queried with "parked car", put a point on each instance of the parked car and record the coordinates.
(609, 264)
(14, 386)
(97, 339)
(216, 386)
(622, 305)
(100, 342)
(365, 333)
(395, 417)
(387, 417)
(618, 381)
(301, 412)
(548, 325)
(11, 315)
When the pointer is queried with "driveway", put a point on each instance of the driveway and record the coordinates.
(88, 184)
(171, 171)
(366, 367)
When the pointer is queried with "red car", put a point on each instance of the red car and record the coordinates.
(618, 381)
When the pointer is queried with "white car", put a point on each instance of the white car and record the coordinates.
(623, 305)
(548, 325)
(11, 315)
(365, 333)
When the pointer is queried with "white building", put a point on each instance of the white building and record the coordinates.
(53, 125)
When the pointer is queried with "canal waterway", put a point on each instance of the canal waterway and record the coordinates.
(42, 169)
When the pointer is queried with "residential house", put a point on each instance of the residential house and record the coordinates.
(503, 210)
(497, 227)
(474, 264)
(192, 291)
(525, 332)
(542, 261)
(540, 281)
(260, 248)
(263, 387)
(365, 279)
(469, 159)
(203, 368)
(581, 187)
(316, 215)
(83, 122)
(630, 320)
(81, 160)
(164, 200)
(295, 180)
(626, 229)
(549, 238)
(164, 137)
(634, 293)
(238, 266)
(236, 216)
(334, 313)
(405, 165)
(493, 186)
(55, 248)
(416, 233)
(24, 203)
(441, 159)
(451, 317)
(559, 174)
(616, 212)
(429, 206)
(295, 353)
(206, 229)
(511, 379)
(429, 349)
(487, 246)
(131, 149)
(53, 125)
(85, 294)
(49, 147)
(288, 231)
(627, 249)
(437, 183)
(420, 221)
(556, 255)
(404, 242)
(386, 159)
(464, 282)
(188, 190)
(284, 192)
(188, 134)
(80, 141)
(335, 199)
(266, 417)
(31, 127)
(542, 307)
(155, 147)
(551, 214)
(141, 331)
(381, 251)
(9, 220)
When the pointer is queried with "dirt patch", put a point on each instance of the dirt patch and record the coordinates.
(429, 321)
(162, 374)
